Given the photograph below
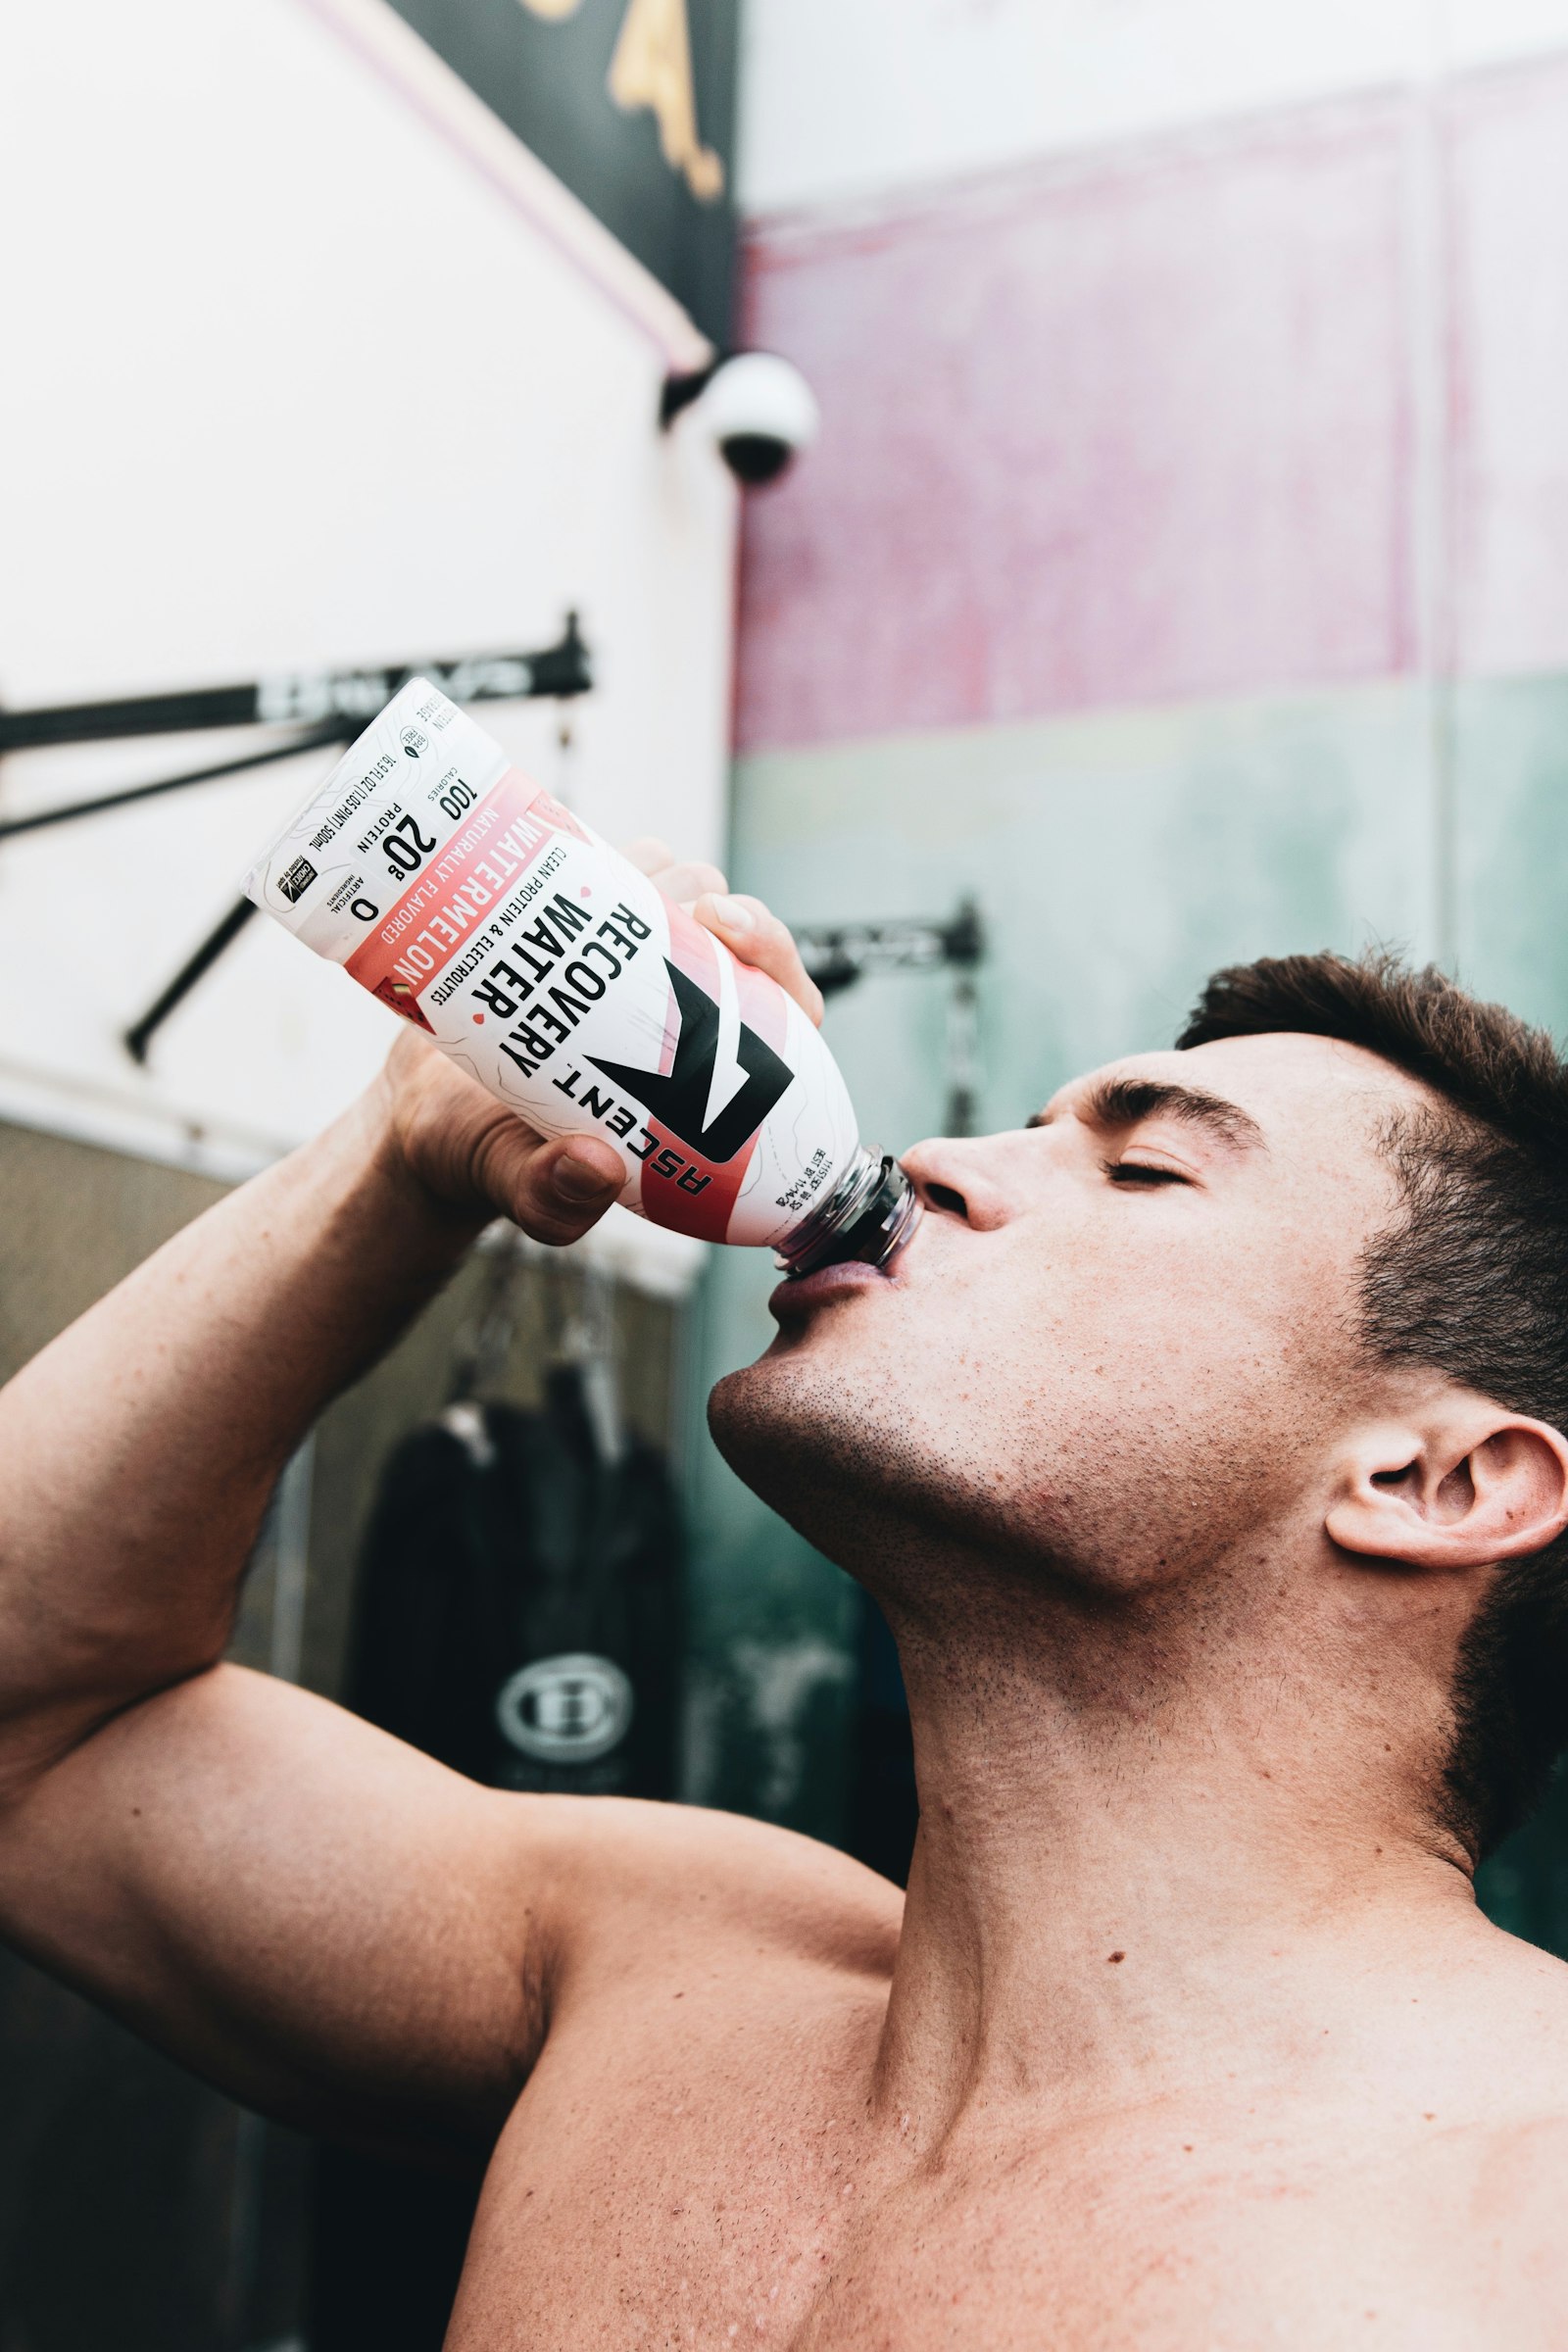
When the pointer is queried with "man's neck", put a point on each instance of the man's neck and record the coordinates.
(1147, 1854)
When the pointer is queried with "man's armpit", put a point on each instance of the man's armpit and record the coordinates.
(640, 1887)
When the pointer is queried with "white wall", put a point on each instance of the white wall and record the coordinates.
(850, 98)
(289, 380)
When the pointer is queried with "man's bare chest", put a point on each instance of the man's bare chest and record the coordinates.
(757, 2202)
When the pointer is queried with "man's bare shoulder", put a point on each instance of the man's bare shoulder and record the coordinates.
(1510, 2016)
(1491, 2142)
(633, 1886)
(1517, 2192)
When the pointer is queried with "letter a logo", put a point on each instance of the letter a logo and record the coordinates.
(681, 1102)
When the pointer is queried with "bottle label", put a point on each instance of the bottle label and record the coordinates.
(474, 904)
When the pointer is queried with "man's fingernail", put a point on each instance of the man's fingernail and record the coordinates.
(578, 1180)
(734, 914)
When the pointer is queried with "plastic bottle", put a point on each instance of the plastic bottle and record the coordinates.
(543, 964)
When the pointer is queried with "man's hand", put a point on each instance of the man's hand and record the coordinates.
(479, 1160)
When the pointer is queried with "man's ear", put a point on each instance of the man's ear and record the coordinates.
(1453, 1486)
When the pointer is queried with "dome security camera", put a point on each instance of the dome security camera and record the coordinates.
(757, 409)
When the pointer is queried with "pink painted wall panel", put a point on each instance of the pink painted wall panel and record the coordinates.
(1125, 430)
(1509, 194)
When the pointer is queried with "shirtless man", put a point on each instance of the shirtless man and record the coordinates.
(1187, 1447)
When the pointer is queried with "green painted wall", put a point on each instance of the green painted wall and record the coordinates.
(1511, 768)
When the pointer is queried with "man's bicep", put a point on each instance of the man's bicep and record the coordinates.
(313, 1915)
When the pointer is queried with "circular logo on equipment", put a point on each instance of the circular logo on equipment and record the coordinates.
(566, 1710)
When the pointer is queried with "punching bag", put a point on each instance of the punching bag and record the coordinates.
(518, 1609)
(517, 1616)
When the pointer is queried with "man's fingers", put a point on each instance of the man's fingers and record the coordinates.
(679, 878)
(744, 924)
(648, 855)
(757, 936)
(691, 879)
(555, 1191)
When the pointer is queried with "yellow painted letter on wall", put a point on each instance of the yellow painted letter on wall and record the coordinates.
(653, 67)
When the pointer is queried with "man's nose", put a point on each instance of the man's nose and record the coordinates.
(965, 1177)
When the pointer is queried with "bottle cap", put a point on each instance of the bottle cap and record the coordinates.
(870, 1215)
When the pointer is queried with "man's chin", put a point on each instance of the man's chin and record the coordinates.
(780, 1424)
(749, 1411)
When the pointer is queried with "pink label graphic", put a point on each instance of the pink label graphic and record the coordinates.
(445, 905)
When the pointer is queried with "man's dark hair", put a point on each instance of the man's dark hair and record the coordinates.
(1472, 1278)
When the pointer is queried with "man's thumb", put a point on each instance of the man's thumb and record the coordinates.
(583, 1172)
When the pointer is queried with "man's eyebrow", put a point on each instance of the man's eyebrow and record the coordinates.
(1123, 1102)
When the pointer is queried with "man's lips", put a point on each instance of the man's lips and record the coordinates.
(797, 1298)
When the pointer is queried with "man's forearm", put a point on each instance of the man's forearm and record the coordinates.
(138, 1451)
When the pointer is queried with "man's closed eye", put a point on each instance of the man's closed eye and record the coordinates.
(1135, 1173)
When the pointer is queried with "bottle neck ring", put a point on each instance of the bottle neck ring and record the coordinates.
(871, 1212)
